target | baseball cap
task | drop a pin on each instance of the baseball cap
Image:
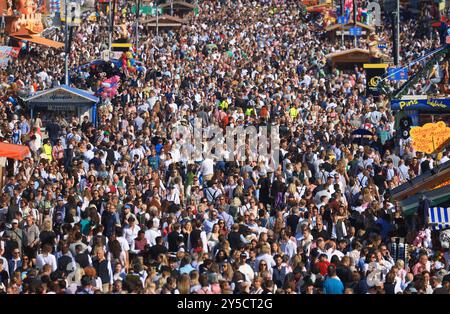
(14, 221)
(60, 198)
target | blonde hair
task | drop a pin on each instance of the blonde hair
(292, 188)
(47, 224)
(400, 264)
(265, 249)
(184, 284)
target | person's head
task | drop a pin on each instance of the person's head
(46, 248)
(86, 282)
(331, 271)
(100, 254)
(309, 288)
(423, 259)
(203, 280)
(16, 253)
(30, 220)
(15, 224)
(278, 259)
(320, 243)
(141, 235)
(117, 287)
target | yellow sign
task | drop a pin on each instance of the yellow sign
(374, 81)
(430, 137)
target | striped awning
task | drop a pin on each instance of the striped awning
(439, 217)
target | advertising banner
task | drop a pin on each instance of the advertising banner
(429, 104)
(374, 73)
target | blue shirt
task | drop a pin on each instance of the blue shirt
(333, 286)
(24, 127)
(186, 269)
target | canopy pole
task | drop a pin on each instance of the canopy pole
(66, 56)
(1, 178)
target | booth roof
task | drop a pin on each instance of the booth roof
(73, 90)
(177, 4)
(14, 151)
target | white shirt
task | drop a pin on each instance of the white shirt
(207, 167)
(332, 252)
(289, 248)
(248, 272)
(123, 244)
(131, 233)
(151, 235)
(50, 259)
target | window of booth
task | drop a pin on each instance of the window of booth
(432, 118)
(425, 118)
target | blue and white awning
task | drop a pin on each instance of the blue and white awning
(439, 217)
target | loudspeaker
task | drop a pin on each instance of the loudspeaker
(405, 126)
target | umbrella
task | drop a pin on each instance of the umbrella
(362, 132)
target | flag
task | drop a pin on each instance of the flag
(439, 217)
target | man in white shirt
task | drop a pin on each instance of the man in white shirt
(403, 171)
(46, 258)
(131, 231)
(444, 158)
(89, 153)
(288, 246)
(207, 169)
(153, 232)
(245, 268)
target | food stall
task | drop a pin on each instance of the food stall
(64, 100)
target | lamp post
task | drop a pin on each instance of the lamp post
(157, 18)
(396, 34)
(138, 8)
(111, 22)
(66, 45)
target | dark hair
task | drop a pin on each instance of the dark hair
(331, 270)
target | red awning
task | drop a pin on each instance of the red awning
(14, 151)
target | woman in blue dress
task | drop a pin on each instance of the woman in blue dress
(17, 134)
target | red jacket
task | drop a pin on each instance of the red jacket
(323, 267)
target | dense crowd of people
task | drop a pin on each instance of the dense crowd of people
(117, 207)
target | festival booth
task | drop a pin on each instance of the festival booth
(23, 22)
(335, 31)
(434, 185)
(64, 100)
(164, 21)
(350, 58)
(422, 109)
(318, 6)
(179, 8)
